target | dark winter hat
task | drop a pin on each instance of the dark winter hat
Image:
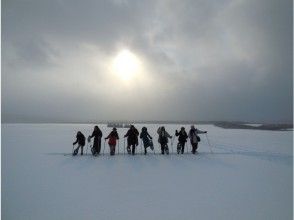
(114, 129)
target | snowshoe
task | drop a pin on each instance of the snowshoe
(89, 139)
(93, 151)
(151, 144)
(75, 152)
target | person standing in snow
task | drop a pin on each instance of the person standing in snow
(132, 140)
(147, 139)
(113, 136)
(194, 138)
(97, 135)
(182, 140)
(81, 143)
(163, 136)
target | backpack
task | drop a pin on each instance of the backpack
(198, 138)
(112, 140)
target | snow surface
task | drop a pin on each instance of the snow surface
(248, 176)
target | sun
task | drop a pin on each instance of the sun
(126, 65)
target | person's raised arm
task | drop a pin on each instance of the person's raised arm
(158, 130)
(200, 132)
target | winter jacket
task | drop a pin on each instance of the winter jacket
(145, 136)
(112, 138)
(97, 134)
(182, 136)
(163, 136)
(80, 139)
(132, 135)
(193, 135)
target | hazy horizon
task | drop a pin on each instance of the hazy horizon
(149, 60)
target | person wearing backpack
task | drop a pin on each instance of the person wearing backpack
(163, 136)
(147, 139)
(97, 135)
(182, 140)
(194, 138)
(132, 140)
(81, 143)
(113, 136)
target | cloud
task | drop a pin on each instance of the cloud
(203, 60)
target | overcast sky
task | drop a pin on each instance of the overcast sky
(199, 60)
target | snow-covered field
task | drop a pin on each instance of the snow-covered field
(248, 176)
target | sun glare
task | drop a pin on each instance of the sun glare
(126, 65)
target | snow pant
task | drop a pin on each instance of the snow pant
(163, 148)
(77, 149)
(133, 148)
(145, 148)
(97, 145)
(112, 149)
(182, 146)
(194, 147)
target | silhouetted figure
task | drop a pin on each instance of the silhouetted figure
(147, 139)
(97, 135)
(194, 138)
(132, 140)
(163, 139)
(182, 140)
(113, 136)
(81, 143)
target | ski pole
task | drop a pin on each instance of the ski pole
(87, 149)
(172, 148)
(117, 147)
(154, 150)
(73, 146)
(209, 143)
(104, 147)
(124, 146)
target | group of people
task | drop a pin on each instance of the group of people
(133, 136)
